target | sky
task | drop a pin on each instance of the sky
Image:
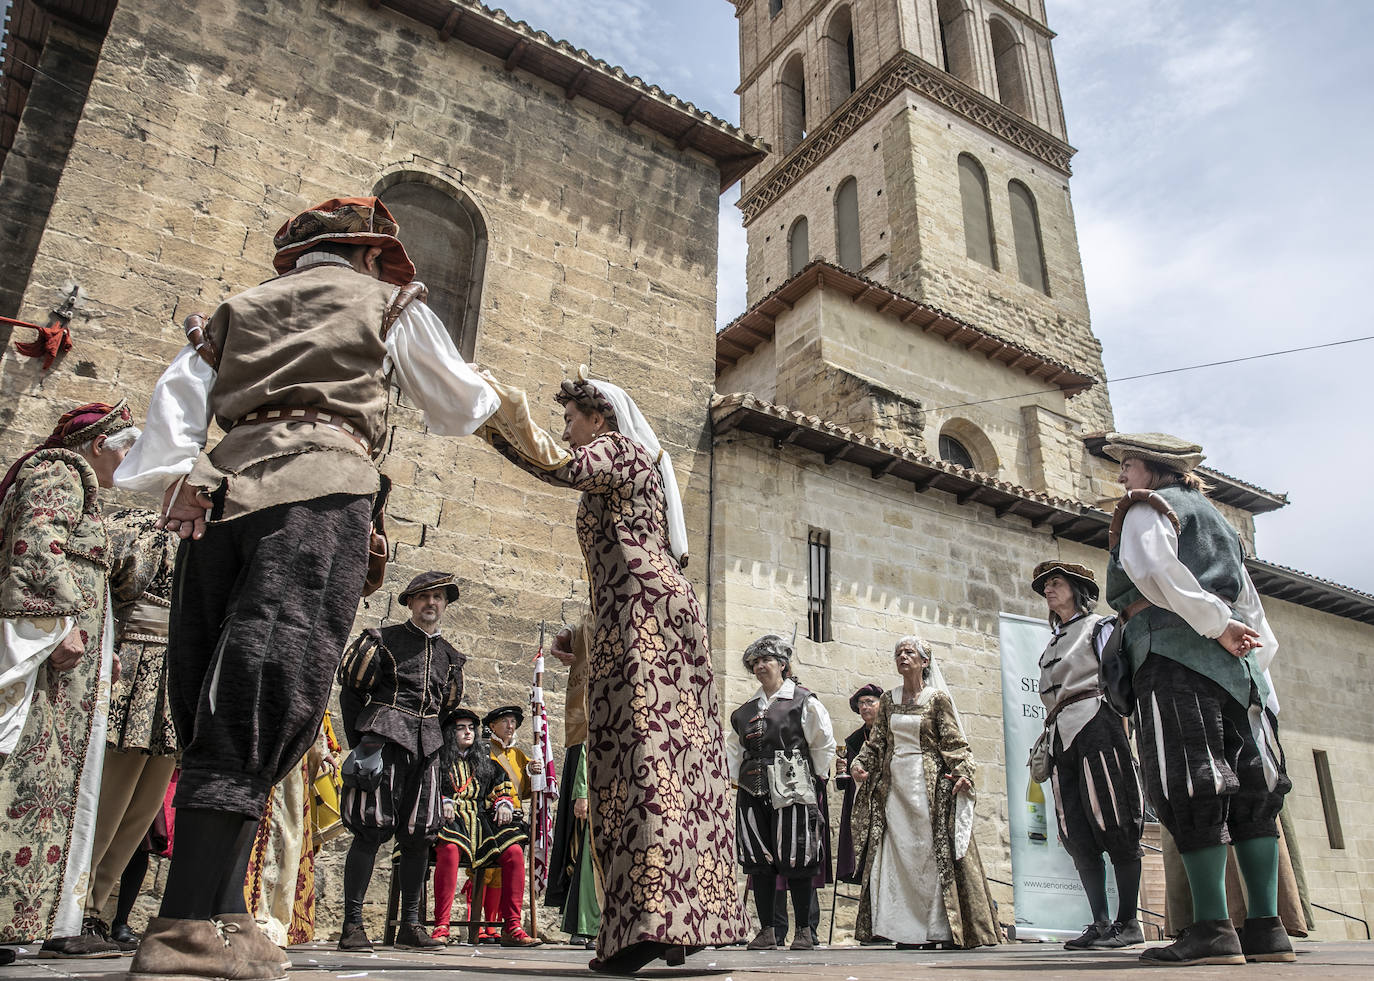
(1223, 202)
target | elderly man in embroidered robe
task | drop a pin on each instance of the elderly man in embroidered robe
(295, 371)
(56, 662)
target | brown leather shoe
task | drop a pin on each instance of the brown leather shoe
(412, 936)
(256, 945)
(765, 940)
(198, 950)
(517, 937)
(354, 938)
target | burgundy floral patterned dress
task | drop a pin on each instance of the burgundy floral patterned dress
(662, 816)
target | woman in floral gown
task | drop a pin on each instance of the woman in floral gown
(662, 817)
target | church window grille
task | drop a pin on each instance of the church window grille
(953, 451)
(818, 586)
(979, 243)
(1025, 232)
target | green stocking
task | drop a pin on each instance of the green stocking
(1258, 859)
(1206, 869)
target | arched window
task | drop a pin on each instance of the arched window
(1025, 232)
(847, 225)
(965, 445)
(953, 451)
(446, 238)
(798, 246)
(793, 92)
(774, 7)
(839, 57)
(1006, 59)
(973, 193)
(956, 39)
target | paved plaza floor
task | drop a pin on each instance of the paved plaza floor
(320, 962)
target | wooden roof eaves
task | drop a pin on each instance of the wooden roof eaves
(835, 444)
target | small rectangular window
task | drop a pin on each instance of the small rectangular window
(818, 586)
(1329, 809)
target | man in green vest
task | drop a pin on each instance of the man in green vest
(1199, 647)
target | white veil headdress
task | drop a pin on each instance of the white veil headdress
(631, 422)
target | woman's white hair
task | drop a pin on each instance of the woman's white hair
(922, 648)
(121, 440)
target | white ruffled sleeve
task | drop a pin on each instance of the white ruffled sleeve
(431, 372)
(176, 428)
(25, 643)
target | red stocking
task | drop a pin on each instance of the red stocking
(512, 886)
(445, 882)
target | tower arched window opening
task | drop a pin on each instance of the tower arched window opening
(956, 39)
(847, 247)
(1025, 231)
(798, 246)
(839, 55)
(793, 93)
(979, 243)
(1006, 59)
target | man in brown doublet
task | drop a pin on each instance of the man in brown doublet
(275, 523)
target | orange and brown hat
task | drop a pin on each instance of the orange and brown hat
(348, 221)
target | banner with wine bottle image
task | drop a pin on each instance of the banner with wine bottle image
(1050, 903)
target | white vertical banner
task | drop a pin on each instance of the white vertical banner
(1050, 903)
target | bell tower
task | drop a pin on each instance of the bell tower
(921, 144)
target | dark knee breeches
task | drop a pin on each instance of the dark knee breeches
(262, 607)
(1097, 794)
(1203, 757)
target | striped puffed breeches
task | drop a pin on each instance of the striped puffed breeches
(786, 842)
(1213, 768)
(1097, 793)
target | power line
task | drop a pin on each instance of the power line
(1165, 371)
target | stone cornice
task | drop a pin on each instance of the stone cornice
(905, 71)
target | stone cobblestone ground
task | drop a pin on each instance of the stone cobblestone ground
(320, 962)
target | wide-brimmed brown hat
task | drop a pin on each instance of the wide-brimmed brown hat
(1071, 571)
(430, 580)
(496, 713)
(1169, 451)
(348, 221)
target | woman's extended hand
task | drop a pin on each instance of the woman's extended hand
(562, 647)
(857, 772)
(962, 785)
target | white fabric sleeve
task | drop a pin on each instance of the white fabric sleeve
(25, 643)
(176, 428)
(1249, 610)
(734, 751)
(1149, 556)
(820, 736)
(432, 374)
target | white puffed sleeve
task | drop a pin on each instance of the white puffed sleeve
(176, 428)
(432, 374)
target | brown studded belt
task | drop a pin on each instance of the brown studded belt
(291, 413)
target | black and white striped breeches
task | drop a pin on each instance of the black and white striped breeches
(408, 804)
(1204, 757)
(1097, 797)
(786, 842)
